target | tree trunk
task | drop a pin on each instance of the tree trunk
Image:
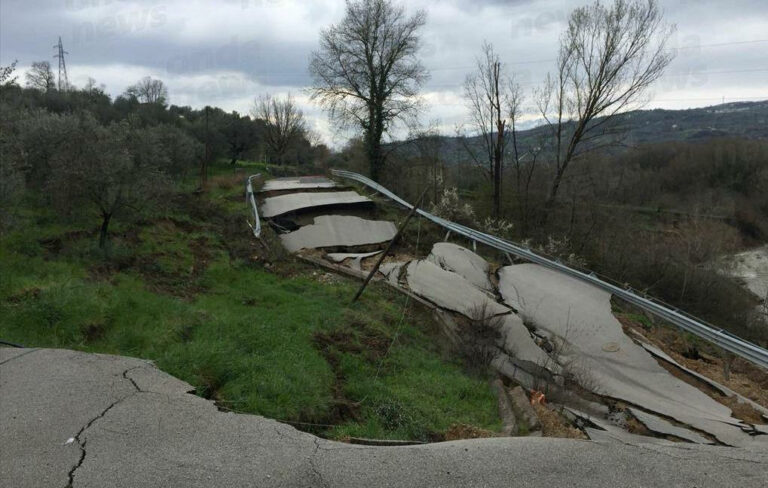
(103, 231)
(373, 143)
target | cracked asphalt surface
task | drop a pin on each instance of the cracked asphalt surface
(84, 420)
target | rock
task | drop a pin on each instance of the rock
(506, 412)
(523, 409)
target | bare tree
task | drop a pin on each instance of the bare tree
(493, 99)
(285, 123)
(366, 73)
(40, 77)
(428, 143)
(609, 56)
(149, 90)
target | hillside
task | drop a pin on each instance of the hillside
(739, 119)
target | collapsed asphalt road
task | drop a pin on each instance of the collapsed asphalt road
(83, 420)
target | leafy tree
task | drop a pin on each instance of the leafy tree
(366, 73)
(114, 169)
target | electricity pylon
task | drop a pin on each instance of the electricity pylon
(63, 80)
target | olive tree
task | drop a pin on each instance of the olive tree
(609, 56)
(366, 72)
(111, 169)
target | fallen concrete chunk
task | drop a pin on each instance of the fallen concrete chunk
(292, 202)
(661, 426)
(523, 408)
(463, 262)
(357, 258)
(450, 291)
(339, 230)
(300, 183)
(580, 315)
(392, 271)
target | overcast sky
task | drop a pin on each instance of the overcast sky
(227, 52)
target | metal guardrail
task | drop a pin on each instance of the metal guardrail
(251, 200)
(698, 327)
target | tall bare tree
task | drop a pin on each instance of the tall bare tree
(609, 56)
(366, 73)
(285, 123)
(149, 90)
(40, 76)
(493, 99)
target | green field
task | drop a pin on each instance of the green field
(189, 288)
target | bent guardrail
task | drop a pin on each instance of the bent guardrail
(698, 327)
(250, 200)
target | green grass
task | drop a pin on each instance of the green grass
(180, 287)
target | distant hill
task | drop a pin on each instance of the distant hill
(738, 119)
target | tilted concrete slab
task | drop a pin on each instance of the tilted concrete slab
(617, 367)
(356, 257)
(149, 433)
(292, 202)
(661, 426)
(462, 261)
(339, 230)
(714, 384)
(517, 342)
(450, 290)
(299, 183)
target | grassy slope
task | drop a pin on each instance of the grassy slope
(183, 288)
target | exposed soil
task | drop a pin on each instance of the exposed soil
(463, 431)
(553, 424)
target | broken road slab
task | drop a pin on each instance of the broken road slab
(339, 230)
(463, 262)
(450, 291)
(580, 314)
(298, 183)
(661, 426)
(292, 202)
(163, 437)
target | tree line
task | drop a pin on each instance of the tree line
(82, 149)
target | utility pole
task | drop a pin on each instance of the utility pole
(63, 86)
